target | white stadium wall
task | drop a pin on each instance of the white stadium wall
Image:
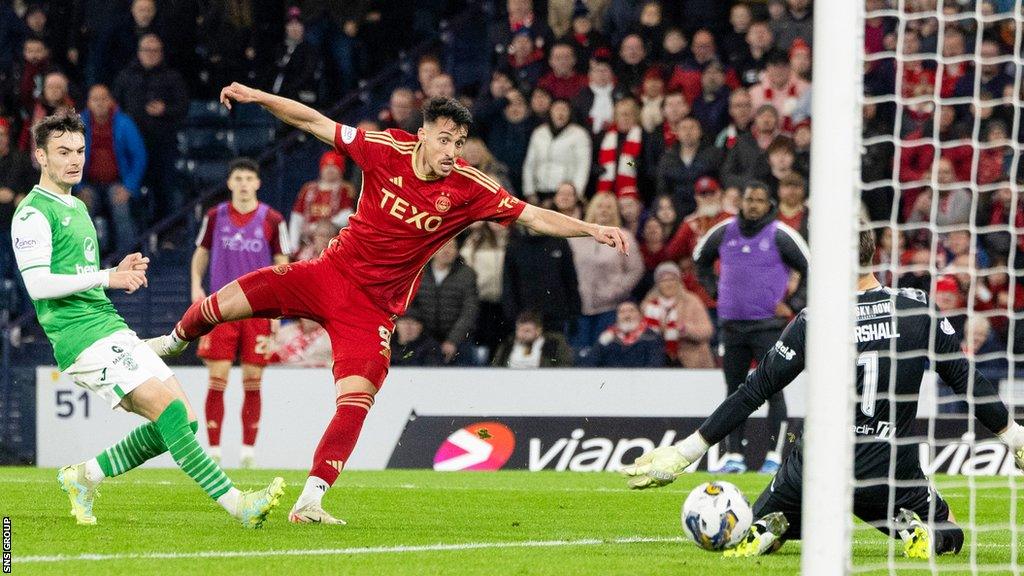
(449, 419)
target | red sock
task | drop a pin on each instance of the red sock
(340, 438)
(215, 409)
(252, 404)
(199, 319)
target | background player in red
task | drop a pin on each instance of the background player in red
(237, 237)
(417, 195)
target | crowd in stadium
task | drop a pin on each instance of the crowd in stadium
(653, 116)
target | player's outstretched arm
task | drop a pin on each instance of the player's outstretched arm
(776, 370)
(989, 409)
(288, 111)
(551, 223)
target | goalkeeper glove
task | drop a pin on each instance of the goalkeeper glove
(662, 466)
(1013, 437)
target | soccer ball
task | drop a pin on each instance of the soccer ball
(716, 515)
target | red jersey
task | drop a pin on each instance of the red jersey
(403, 217)
(274, 228)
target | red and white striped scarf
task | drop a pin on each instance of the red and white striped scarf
(617, 173)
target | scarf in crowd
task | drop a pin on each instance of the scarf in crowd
(618, 165)
(662, 316)
(627, 338)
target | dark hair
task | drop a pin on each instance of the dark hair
(243, 163)
(757, 185)
(447, 108)
(781, 144)
(61, 121)
(530, 317)
(867, 248)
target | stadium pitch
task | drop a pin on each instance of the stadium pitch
(424, 522)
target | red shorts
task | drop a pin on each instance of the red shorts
(359, 329)
(226, 340)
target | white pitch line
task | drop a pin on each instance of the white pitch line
(347, 551)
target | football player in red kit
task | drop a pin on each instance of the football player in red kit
(417, 195)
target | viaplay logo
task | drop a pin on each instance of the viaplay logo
(479, 446)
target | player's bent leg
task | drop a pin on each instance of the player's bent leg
(158, 403)
(355, 397)
(778, 510)
(235, 301)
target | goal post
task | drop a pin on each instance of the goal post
(835, 166)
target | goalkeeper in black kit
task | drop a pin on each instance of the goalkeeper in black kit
(883, 315)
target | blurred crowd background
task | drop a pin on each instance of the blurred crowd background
(648, 115)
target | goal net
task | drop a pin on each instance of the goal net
(939, 97)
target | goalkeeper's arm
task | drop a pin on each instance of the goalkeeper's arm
(989, 409)
(777, 369)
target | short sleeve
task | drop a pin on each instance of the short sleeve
(500, 206)
(352, 142)
(31, 239)
(205, 237)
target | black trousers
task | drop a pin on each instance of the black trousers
(743, 344)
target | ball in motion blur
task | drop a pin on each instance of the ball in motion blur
(716, 515)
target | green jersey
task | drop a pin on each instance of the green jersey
(53, 232)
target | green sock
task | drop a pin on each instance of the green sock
(188, 454)
(140, 445)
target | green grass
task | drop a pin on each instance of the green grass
(160, 512)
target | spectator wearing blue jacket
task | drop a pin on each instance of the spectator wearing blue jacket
(115, 162)
(629, 343)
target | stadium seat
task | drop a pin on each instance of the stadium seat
(249, 115)
(206, 172)
(207, 114)
(207, 143)
(252, 141)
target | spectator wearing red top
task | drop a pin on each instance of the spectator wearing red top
(780, 87)
(680, 247)
(115, 162)
(953, 48)
(687, 77)
(34, 66)
(54, 95)
(652, 99)
(563, 82)
(792, 207)
(709, 212)
(330, 197)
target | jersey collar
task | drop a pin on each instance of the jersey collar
(68, 201)
(415, 155)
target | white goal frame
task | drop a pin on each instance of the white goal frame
(835, 174)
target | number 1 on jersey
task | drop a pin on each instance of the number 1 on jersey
(869, 383)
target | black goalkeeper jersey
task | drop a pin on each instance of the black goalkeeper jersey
(893, 327)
